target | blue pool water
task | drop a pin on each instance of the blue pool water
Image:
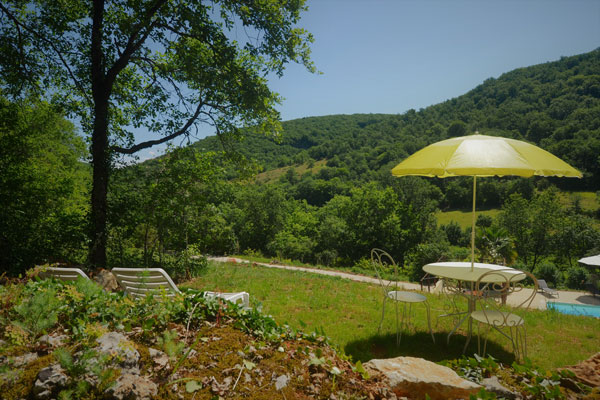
(575, 309)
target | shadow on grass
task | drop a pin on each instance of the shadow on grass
(419, 344)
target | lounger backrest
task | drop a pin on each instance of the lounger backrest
(65, 274)
(139, 282)
(544, 286)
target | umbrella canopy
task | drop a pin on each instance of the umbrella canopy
(593, 261)
(481, 155)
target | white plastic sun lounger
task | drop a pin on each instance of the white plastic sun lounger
(65, 274)
(139, 282)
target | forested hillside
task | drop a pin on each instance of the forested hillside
(554, 105)
(329, 196)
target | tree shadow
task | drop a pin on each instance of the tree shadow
(420, 344)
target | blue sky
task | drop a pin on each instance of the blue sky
(388, 56)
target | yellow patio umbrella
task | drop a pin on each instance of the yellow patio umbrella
(481, 155)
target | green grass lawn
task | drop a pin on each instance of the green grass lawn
(349, 313)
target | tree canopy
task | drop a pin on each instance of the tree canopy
(157, 65)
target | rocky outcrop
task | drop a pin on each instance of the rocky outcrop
(588, 371)
(132, 386)
(49, 381)
(415, 378)
(106, 280)
(119, 348)
(492, 384)
(53, 341)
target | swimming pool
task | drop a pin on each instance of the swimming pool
(574, 309)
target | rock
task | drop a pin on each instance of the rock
(49, 380)
(23, 360)
(106, 280)
(119, 348)
(132, 386)
(492, 384)
(281, 382)
(588, 371)
(53, 341)
(415, 378)
(159, 358)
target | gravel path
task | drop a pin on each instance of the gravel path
(539, 301)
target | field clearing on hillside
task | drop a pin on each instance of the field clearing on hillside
(588, 200)
(275, 174)
(463, 218)
(349, 313)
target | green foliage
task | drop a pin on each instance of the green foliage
(548, 272)
(541, 384)
(39, 311)
(576, 277)
(44, 184)
(474, 368)
(116, 67)
(170, 345)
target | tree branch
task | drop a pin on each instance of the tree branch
(150, 143)
(133, 43)
(18, 24)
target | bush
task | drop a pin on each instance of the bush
(456, 236)
(576, 278)
(184, 265)
(548, 272)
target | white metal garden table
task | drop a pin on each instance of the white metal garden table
(460, 271)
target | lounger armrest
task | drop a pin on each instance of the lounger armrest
(232, 297)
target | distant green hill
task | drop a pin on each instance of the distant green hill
(555, 105)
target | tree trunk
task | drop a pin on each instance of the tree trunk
(101, 165)
(99, 148)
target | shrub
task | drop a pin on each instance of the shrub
(548, 272)
(456, 236)
(576, 278)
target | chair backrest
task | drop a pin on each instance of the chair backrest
(382, 261)
(542, 284)
(140, 282)
(499, 284)
(65, 274)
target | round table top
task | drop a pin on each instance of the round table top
(461, 270)
(406, 297)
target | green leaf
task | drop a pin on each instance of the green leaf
(317, 361)
(192, 386)
(249, 365)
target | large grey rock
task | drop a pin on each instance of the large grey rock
(415, 378)
(120, 349)
(23, 360)
(53, 341)
(49, 380)
(492, 384)
(132, 387)
(159, 358)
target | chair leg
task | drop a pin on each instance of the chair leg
(398, 332)
(382, 314)
(429, 320)
(520, 345)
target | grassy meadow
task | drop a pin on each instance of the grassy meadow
(349, 313)
(463, 218)
(588, 201)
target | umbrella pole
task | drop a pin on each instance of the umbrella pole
(473, 224)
